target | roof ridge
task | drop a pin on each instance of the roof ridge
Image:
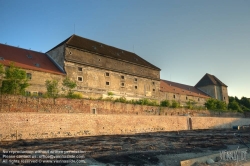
(21, 48)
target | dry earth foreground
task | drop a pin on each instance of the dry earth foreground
(159, 149)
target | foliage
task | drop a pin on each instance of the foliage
(214, 104)
(75, 96)
(165, 103)
(175, 104)
(1, 70)
(240, 105)
(191, 104)
(52, 88)
(121, 99)
(15, 81)
(111, 94)
(69, 84)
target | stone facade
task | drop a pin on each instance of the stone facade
(97, 74)
(213, 87)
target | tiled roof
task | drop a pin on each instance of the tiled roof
(27, 59)
(177, 88)
(106, 50)
(209, 79)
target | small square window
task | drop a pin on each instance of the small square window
(27, 93)
(107, 74)
(107, 83)
(122, 77)
(79, 68)
(135, 79)
(174, 96)
(154, 90)
(186, 97)
(135, 87)
(79, 78)
(153, 82)
(198, 99)
(122, 84)
(29, 76)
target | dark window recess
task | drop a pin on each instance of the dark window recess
(40, 93)
(122, 84)
(27, 93)
(122, 77)
(29, 76)
(79, 68)
(107, 83)
(107, 74)
(135, 87)
(174, 96)
(186, 98)
(1, 58)
(79, 78)
(153, 83)
(29, 56)
(37, 64)
(198, 99)
(135, 79)
(153, 89)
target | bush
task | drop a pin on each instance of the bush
(165, 103)
(175, 104)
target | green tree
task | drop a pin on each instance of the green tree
(175, 104)
(214, 104)
(69, 84)
(15, 81)
(52, 88)
(190, 104)
(165, 103)
(234, 105)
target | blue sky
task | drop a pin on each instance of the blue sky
(185, 38)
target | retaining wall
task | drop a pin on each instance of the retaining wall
(16, 126)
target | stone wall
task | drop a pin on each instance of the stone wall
(16, 126)
(11, 103)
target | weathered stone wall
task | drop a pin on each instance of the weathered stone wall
(16, 126)
(37, 81)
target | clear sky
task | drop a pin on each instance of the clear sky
(185, 38)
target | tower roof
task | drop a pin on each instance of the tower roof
(209, 79)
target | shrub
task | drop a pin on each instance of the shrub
(165, 103)
(175, 104)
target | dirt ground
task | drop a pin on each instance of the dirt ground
(159, 149)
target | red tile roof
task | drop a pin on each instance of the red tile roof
(27, 59)
(209, 79)
(105, 50)
(177, 88)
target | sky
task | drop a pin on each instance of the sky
(184, 38)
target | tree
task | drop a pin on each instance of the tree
(214, 104)
(233, 105)
(52, 88)
(15, 81)
(70, 85)
(165, 103)
(175, 104)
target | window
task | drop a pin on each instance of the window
(29, 56)
(135, 79)
(198, 99)
(79, 78)
(37, 64)
(135, 87)
(174, 96)
(186, 97)
(1, 58)
(29, 76)
(107, 74)
(122, 77)
(107, 83)
(153, 82)
(40, 93)
(154, 90)
(79, 68)
(27, 93)
(35, 93)
(122, 84)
